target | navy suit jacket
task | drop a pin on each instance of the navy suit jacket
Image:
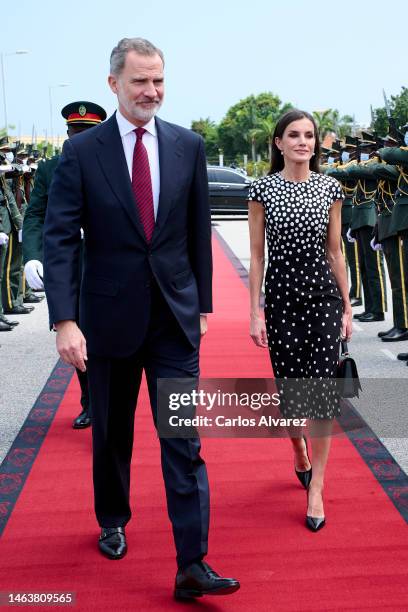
(91, 189)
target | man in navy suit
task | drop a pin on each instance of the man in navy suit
(138, 187)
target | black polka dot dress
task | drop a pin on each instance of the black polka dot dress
(303, 306)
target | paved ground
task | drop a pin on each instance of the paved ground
(27, 356)
(384, 403)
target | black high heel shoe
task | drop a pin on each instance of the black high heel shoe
(314, 523)
(305, 477)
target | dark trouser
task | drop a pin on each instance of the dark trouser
(372, 272)
(350, 252)
(114, 387)
(393, 251)
(83, 382)
(3, 254)
(11, 284)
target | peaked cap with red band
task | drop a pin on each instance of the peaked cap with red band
(83, 113)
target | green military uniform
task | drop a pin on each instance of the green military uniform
(387, 178)
(11, 222)
(350, 250)
(398, 225)
(35, 214)
(14, 276)
(363, 220)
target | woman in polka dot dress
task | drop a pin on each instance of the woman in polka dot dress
(307, 305)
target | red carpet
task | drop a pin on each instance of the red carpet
(358, 562)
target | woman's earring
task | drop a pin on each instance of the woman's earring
(281, 152)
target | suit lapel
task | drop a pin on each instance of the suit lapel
(112, 159)
(171, 154)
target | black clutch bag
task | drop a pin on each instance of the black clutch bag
(347, 376)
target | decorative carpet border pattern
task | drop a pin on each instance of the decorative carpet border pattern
(19, 460)
(379, 460)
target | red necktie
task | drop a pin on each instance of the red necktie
(142, 184)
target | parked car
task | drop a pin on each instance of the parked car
(228, 190)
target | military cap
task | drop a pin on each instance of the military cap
(83, 113)
(336, 146)
(350, 142)
(6, 144)
(325, 150)
(367, 138)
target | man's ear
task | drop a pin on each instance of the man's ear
(112, 81)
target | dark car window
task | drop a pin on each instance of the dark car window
(211, 175)
(226, 176)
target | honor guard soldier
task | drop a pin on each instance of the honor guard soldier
(15, 278)
(10, 218)
(363, 220)
(79, 116)
(387, 179)
(398, 156)
(347, 157)
(12, 272)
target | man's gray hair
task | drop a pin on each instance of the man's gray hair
(140, 45)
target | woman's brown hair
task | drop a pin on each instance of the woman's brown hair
(277, 162)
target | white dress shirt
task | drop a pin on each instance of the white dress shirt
(150, 141)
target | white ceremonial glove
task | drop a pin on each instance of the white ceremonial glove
(376, 246)
(349, 236)
(3, 238)
(34, 274)
(20, 235)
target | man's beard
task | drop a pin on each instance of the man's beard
(144, 114)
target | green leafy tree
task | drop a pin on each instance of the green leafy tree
(399, 111)
(344, 126)
(266, 128)
(209, 131)
(235, 135)
(330, 120)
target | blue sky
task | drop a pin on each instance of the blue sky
(314, 54)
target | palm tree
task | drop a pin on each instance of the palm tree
(325, 121)
(265, 130)
(251, 136)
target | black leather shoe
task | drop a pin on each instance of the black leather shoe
(356, 302)
(200, 579)
(8, 322)
(305, 476)
(112, 542)
(314, 523)
(19, 310)
(82, 421)
(5, 327)
(370, 317)
(357, 317)
(385, 333)
(402, 356)
(33, 299)
(396, 335)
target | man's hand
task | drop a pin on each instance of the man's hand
(34, 274)
(3, 238)
(203, 325)
(71, 344)
(258, 331)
